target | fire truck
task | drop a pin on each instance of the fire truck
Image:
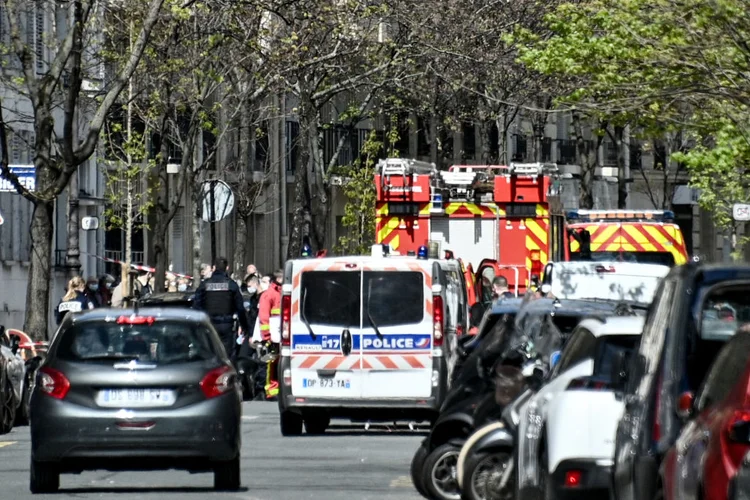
(499, 220)
(646, 236)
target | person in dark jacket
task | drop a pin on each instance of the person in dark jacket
(220, 297)
(74, 300)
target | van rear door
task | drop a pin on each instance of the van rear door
(397, 321)
(325, 333)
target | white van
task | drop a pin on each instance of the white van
(367, 338)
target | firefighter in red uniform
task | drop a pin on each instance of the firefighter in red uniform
(269, 317)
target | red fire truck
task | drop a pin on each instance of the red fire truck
(500, 220)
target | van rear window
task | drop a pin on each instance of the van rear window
(330, 298)
(393, 297)
(386, 298)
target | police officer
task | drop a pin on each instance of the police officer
(220, 297)
(74, 300)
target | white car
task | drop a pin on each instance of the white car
(567, 431)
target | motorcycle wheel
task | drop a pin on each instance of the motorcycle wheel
(482, 476)
(417, 465)
(439, 473)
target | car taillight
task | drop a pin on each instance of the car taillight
(286, 320)
(737, 438)
(585, 383)
(573, 478)
(53, 383)
(437, 320)
(217, 382)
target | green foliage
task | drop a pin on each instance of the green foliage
(359, 211)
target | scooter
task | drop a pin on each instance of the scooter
(469, 405)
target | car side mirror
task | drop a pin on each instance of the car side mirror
(15, 343)
(685, 405)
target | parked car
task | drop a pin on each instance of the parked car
(696, 309)
(121, 390)
(711, 448)
(11, 380)
(32, 354)
(566, 439)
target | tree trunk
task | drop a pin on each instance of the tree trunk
(197, 238)
(485, 146)
(434, 139)
(588, 167)
(240, 240)
(622, 186)
(73, 254)
(38, 288)
(301, 186)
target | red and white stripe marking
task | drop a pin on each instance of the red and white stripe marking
(369, 362)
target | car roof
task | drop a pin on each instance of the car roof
(568, 306)
(104, 314)
(614, 325)
(506, 306)
(369, 258)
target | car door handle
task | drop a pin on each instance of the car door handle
(346, 342)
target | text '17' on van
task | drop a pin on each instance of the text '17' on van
(367, 338)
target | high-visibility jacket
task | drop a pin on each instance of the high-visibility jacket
(269, 313)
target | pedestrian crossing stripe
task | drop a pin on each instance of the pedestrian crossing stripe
(3, 444)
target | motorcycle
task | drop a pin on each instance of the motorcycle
(469, 404)
(485, 464)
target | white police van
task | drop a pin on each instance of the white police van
(367, 338)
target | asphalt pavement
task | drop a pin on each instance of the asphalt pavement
(346, 463)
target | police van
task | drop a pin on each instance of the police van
(367, 338)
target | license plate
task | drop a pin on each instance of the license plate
(326, 383)
(135, 398)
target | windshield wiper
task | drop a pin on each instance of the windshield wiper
(304, 319)
(369, 315)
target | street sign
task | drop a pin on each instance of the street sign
(218, 200)
(741, 212)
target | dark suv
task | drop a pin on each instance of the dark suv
(696, 309)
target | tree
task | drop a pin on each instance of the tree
(66, 118)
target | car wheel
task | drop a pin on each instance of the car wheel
(483, 474)
(7, 408)
(43, 477)
(439, 473)
(227, 475)
(317, 424)
(291, 424)
(417, 466)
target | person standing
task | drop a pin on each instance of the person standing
(269, 317)
(221, 299)
(74, 300)
(500, 288)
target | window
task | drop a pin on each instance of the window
(724, 310)
(580, 347)
(608, 350)
(331, 298)
(662, 258)
(393, 298)
(163, 342)
(724, 374)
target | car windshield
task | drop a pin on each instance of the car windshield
(663, 258)
(162, 342)
(609, 348)
(386, 298)
(724, 310)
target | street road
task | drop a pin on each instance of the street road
(346, 463)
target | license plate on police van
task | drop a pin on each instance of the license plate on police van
(326, 383)
(135, 398)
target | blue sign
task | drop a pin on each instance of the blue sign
(26, 176)
(369, 342)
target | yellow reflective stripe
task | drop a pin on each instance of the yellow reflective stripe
(263, 328)
(275, 311)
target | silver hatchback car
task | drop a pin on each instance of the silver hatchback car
(121, 390)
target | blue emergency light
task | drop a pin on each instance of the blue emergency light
(422, 253)
(620, 215)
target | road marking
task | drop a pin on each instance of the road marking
(3, 444)
(249, 417)
(402, 482)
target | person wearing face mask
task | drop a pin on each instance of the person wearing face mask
(182, 285)
(102, 293)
